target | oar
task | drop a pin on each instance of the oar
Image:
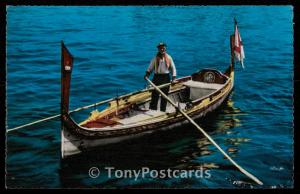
(206, 135)
(82, 108)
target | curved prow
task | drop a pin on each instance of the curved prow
(66, 70)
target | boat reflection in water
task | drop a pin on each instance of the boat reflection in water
(180, 148)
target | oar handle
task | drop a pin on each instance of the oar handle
(207, 136)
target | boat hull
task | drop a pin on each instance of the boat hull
(73, 143)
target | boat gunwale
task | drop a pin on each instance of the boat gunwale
(145, 125)
(89, 134)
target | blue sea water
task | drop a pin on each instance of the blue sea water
(112, 47)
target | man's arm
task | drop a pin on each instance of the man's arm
(150, 69)
(173, 67)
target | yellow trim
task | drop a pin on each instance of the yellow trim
(145, 96)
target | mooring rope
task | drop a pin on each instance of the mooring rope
(207, 136)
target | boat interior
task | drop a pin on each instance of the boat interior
(136, 109)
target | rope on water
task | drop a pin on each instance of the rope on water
(56, 116)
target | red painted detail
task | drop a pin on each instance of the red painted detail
(99, 123)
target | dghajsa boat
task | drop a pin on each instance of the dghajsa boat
(128, 116)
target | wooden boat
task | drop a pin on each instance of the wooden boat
(128, 116)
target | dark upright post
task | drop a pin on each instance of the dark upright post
(66, 70)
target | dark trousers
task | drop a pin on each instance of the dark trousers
(160, 79)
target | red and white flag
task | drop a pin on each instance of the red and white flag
(238, 46)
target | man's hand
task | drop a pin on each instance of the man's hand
(146, 75)
(173, 80)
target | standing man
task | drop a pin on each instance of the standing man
(162, 64)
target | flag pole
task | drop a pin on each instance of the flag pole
(232, 43)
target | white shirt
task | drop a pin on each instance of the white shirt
(162, 67)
